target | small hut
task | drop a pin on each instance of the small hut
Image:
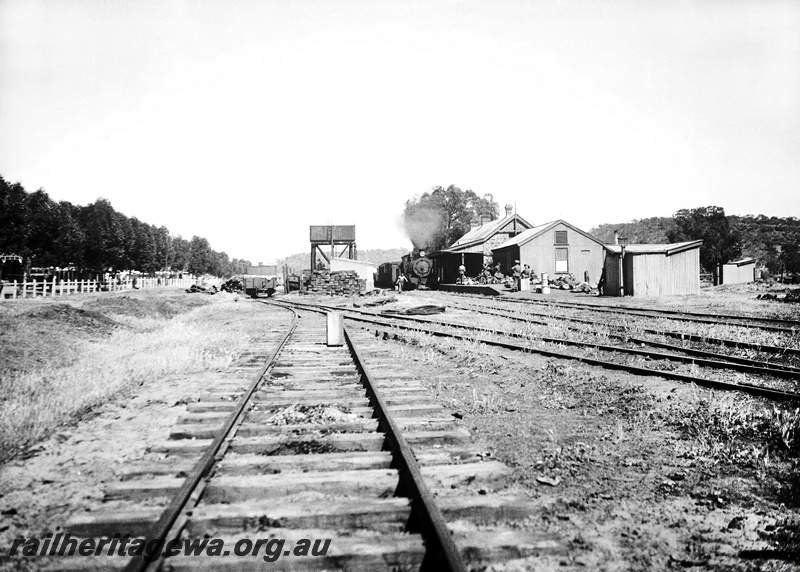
(653, 269)
(739, 272)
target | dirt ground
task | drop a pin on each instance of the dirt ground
(42, 485)
(633, 473)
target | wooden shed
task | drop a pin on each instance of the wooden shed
(739, 272)
(366, 270)
(654, 269)
(555, 248)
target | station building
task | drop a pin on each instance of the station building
(475, 247)
(555, 248)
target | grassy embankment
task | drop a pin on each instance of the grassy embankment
(61, 357)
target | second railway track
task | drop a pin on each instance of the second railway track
(337, 461)
(495, 338)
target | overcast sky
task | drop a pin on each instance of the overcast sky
(247, 121)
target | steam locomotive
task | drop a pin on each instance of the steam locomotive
(417, 267)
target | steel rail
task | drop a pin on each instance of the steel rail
(642, 341)
(725, 385)
(742, 364)
(717, 364)
(385, 321)
(691, 337)
(687, 316)
(169, 516)
(793, 324)
(441, 552)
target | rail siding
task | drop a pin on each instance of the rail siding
(33, 288)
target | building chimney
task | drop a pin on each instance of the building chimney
(475, 223)
(616, 237)
(509, 210)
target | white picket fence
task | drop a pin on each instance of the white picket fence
(30, 289)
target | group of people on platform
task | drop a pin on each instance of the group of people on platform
(493, 274)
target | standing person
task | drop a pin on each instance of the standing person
(401, 279)
(516, 270)
(462, 272)
(601, 286)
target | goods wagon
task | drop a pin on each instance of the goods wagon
(255, 285)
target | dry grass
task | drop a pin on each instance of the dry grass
(40, 394)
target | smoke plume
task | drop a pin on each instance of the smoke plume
(422, 227)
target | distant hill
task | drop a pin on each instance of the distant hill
(376, 256)
(762, 237)
(642, 231)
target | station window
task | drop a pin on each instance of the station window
(561, 237)
(562, 260)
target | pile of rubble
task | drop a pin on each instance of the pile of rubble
(232, 285)
(296, 414)
(427, 310)
(340, 283)
(785, 295)
(569, 282)
(562, 282)
(196, 288)
(378, 301)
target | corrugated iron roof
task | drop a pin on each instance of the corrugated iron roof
(483, 233)
(532, 233)
(742, 262)
(667, 249)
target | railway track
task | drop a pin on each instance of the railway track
(782, 325)
(777, 351)
(314, 457)
(752, 365)
(493, 337)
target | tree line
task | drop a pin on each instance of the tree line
(302, 260)
(771, 241)
(97, 239)
(436, 219)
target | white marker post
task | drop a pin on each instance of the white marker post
(335, 329)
